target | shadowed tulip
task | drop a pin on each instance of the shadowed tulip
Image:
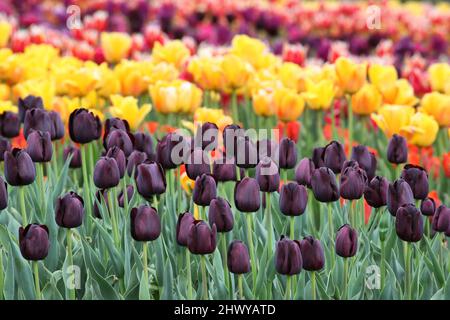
(197, 164)
(428, 207)
(408, 223)
(397, 151)
(34, 242)
(365, 159)
(3, 194)
(376, 192)
(441, 219)
(353, 181)
(221, 215)
(121, 139)
(207, 136)
(293, 199)
(346, 241)
(5, 145)
(225, 170)
(117, 154)
(101, 196)
(143, 142)
(201, 238)
(334, 156)
(19, 168)
(28, 103)
(36, 119)
(287, 154)
(75, 162)
(150, 179)
(204, 190)
(69, 210)
(288, 258)
(57, 126)
(312, 254)
(84, 126)
(417, 178)
(145, 224)
(106, 173)
(39, 146)
(166, 149)
(324, 186)
(399, 193)
(246, 154)
(246, 195)
(121, 197)
(304, 172)
(267, 175)
(9, 124)
(238, 259)
(317, 157)
(184, 223)
(135, 159)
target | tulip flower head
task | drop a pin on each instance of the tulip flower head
(238, 259)
(408, 223)
(346, 241)
(34, 242)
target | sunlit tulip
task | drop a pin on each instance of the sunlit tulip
(366, 100)
(127, 108)
(439, 75)
(392, 118)
(263, 102)
(175, 96)
(381, 75)
(5, 33)
(236, 72)
(115, 45)
(400, 92)
(437, 105)
(173, 52)
(293, 76)
(289, 104)
(207, 72)
(422, 130)
(319, 95)
(350, 76)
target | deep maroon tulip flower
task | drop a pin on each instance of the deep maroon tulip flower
(207, 136)
(246, 153)
(121, 197)
(3, 194)
(205, 190)
(324, 186)
(202, 238)
(417, 178)
(293, 199)
(69, 210)
(84, 126)
(346, 241)
(117, 154)
(288, 258)
(312, 254)
(397, 151)
(39, 146)
(143, 142)
(287, 154)
(184, 223)
(376, 192)
(267, 148)
(150, 179)
(34, 242)
(317, 157)
(106, 173)
(267, 175)
(28, 103)
(408, 223)
(121, 139)
(334, 156)
(246, 195)
(225, 170)
(9, 124)
(198, 164)
(135, 159)
(37, 119)
(353, 180)
(220, 214)
(238, 259)
(145, 223)
(441, 219)
(19, 168)
(5, 145)
(166, 149)
(399, 193)
(75, 162)
(57, 126)
(115, 124)
(428, 207)
(304, 172)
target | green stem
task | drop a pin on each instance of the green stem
(330, 221)
(189, 274)
(285, 176)
(125, 197)
(86, 186)
(345, 293)
(115, 227)
(407, 251)
(241, 288)
(22, 206)
(269, 225)
(383, 264)
(40, 184)
(204, 279)
(37, 286)
(224, 259)
(70, 259)
(145, 260)
(2, 279)
(288, 289)
(313, 284)
(252, 249)
(292, 227)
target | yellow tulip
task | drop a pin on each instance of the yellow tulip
(127, 108)
(186, 183)
(293, 76)
(115, 45)
(319, 95)
(44, 88)
(131, 78)
(289, 104)
(207, 72)
(366, 100)
(216, 116)
(173, 52)
(81, 80)
(437, 105)
(350, 76)
(247, 48)
(108, 82)
(439, 74)
(5, 33)
(422, 130)
(391, 118)
(5, 92)
(236, 72)
(263, 102)
(400, 92)
(381, 75)
(175, 96)
(7, 106)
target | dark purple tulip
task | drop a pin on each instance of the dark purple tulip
(5, 145)
(334, 156)
(220, 214)
(121, 139)
(207, 136)
(57, 126)
(145, 223)
(365, 159)
(30, 102)
(164, 150)
(408, 223)
(202, 238)
(75, 162)
(204, 190)
(3, 194)
(117, 154)
(34, 242)
(238, 259)
(346, 241)
(135, 159)
(37, 119)
(106, 173)
(417, 178)
(267, 175)
(115, 124)
(293, 199)
(287, 154)
(230, 136)
(441, 219)
(317, 157)
(288, 258)
(353, 180)
(304, 172)
(184, 223)
(150, 179)
(121, 197)
(246, 195)
(246, 154)
(19, 168)
(324, 186)
(69, 211)
(376, 192)
(39, 146)
(267, 148)
(143, 142)
(397, 151)
(197, 164)
(312, 254)
(102, 197)
(399, 193)
(428, 207)
(84, 126)
(225, 170)
(9, 124)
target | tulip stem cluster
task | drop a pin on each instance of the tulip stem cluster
(22, 205)
(37, 286)
(204, 278)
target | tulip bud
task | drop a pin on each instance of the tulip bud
(365, 159)
(238, 259)
(121, 139)
(69, 211)
(184, 223)
(267, 148)
(230, 134)
(220, 215)
(334, 156)
(38, 120)
(201, 239)
(28, 103)
(304, 172)
(324, 186)
(117, 154)
(408, 223)
(225, 170)
(145, 223)
(100, 196)
(150, 179)
(197, 164)
(39, 146)
(246, 153)
(417, 178)
(312, 254)
(317, 157)
(376, 192)
(84, 126)
(267, 175)
(5, 145)
(9, 124)
(143, 142)
(121, 197)
(428, 207)
(287, 153)
(207, 136)
(135, 159)
(353, 180)
(399, 193)
(115, 124)
(166, 147)
(19, 168)
(441, 219)
(75, 162)
(3, 194)
(246, 195)
(346, 241)
(288, 258)
(397, 151)
(106, 173)
(293, 199)
(204, 190)
(34, 242)
(57, 126)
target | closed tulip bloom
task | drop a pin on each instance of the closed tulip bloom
(417, 178)
(225, 170)
(102, 197)
(135, 159)
(5, 145)
(230, 136)
(238, 259)
(145, 223)
(365, 159)
(441, 219)
(207, 136)
(164, 150)
(36, 119)
(221, 215)
(9, 124)
(288, 258)
(324, 186)
(184, 223)
(143, 142)
(399, 193)
(84, 126)
(312, 254)
(106, 173)
(34, 242)
(408, 223)
(202, 238)
(75, 162)
(428, 207)
(3, 194)
(267, 148)
(69, 210)
(39, 146)
(19, 168)
(353, 181)
(287, 153)
(376, 192)
(317, 157)
(115, 45)
(293, 199)
(422, 130)
(346, 241)
(197, 164)
(367, 100)
(150, 179)
(112, 124)
(204, 190)
(120, 139)
(334, 156)
(350, 76)
(392, 118)
(304, 172)
(246, 153)
(117, 154)
(267, 175)
(121, 197)
(57, 126)
(28, 103)
(246, 195)
(397, 151)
